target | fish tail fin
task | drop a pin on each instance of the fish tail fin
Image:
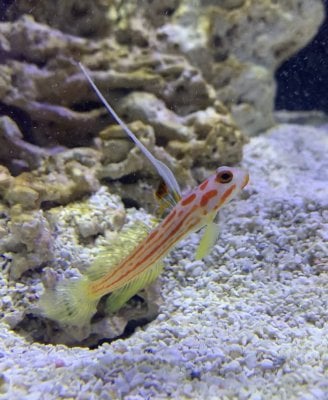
(70, 302)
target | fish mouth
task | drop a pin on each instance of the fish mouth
(245, 181)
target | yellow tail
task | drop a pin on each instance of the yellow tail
(73, 303)
(70, 302)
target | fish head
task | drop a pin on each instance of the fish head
(221, 187)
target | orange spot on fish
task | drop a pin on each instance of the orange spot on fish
(203, 185)
(207, 197)
(161, 247)
(188, 199)
(225, 195)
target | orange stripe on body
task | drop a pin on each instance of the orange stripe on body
(140, 247)
(165, 245)
(169, 218)
(173, 240)
(178, 238)
(152, 234)
(145, 243)
(149, 238)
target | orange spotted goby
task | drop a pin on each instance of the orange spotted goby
(135, 258)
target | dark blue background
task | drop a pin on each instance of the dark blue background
(303, 79)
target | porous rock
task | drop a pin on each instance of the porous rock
(238, 45)
(162, 90)
(15, 152)
(27, 242)
(80, 18)
(59, 180)
(26, 234)
(64, 241)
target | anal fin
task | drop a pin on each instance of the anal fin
(120, 296)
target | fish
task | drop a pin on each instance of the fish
(135, 258)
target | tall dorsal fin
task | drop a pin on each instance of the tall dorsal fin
(163, 170)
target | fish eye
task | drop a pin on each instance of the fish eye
(224, 176)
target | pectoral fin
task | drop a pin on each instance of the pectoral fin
(208, 240)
